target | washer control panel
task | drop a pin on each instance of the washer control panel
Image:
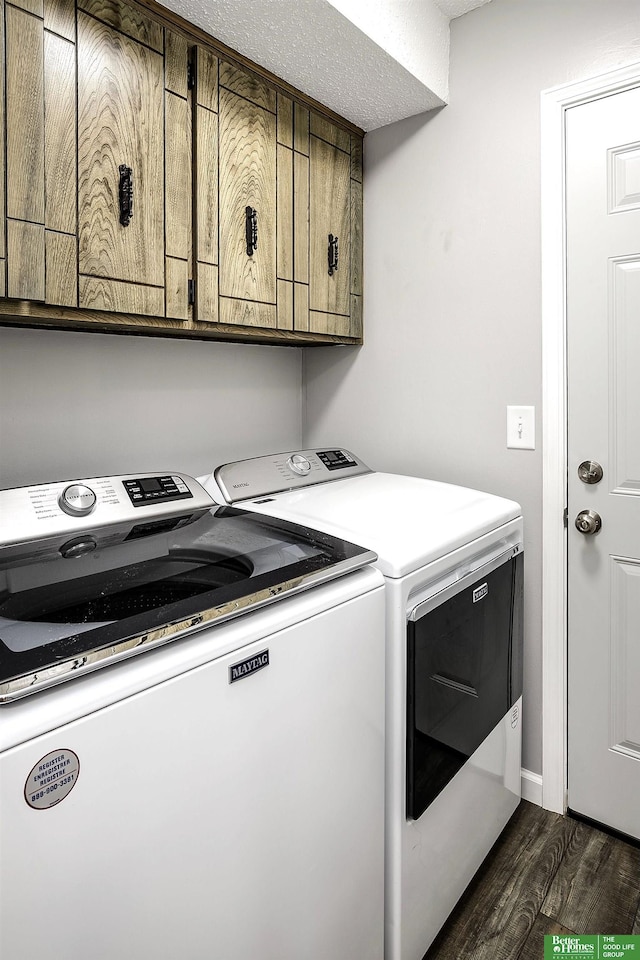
(69, 507)
(143, 490)
(264, 476)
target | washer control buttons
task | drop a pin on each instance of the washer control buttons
(153, 489)
(299, 464)
(336, 459)
(77, 500)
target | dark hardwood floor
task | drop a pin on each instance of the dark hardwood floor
(546, 874)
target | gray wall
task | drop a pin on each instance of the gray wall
(452, 273)
(88, 404)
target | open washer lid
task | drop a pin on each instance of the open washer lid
(407, 521)
(122, 574)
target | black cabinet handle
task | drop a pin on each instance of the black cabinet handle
(251, 230)
(332, 254)
(125, 193)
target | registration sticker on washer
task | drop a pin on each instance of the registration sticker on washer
(242, 669)
(480, 592)
(52, 779)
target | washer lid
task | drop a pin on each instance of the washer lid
(407, 521)
(70, 606)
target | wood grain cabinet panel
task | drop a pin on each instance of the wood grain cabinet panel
(25, 115)
(60, 157)
(61, 270)
(120, 122)
(247, 85)
(178, 179)
(126, 19)
(176, 57)
(41, 154)
(60, 18)
(60, 133)
(205, 112)
(31, 6)
(329, 215)
(285, 213)
(97, 293)
(247, 179)
(25, 260)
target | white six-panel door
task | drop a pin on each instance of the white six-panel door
(603, 349)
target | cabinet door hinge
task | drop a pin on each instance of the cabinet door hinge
(191, 292)
(565, 517)
(191, 70)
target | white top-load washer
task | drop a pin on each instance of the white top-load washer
(191, 729)
(452, 559)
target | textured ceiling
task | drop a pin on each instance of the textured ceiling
(312, 46)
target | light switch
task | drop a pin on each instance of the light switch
(521, 428)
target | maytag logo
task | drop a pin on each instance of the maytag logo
(243, 484)
(480, 592)
(238, 671)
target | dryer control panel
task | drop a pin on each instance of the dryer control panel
(264, 476)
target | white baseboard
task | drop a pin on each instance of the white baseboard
(531, 784)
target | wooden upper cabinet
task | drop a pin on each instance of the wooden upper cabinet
(120, 147)
(144, 173)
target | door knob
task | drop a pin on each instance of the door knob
(588, 522)
(590, 472)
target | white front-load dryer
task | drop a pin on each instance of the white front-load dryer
(452, 559)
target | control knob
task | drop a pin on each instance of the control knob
(77, 500)
(78, 547)
(299, 464)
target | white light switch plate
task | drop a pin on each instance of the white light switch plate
(521, 428)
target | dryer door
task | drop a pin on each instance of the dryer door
(464, 671)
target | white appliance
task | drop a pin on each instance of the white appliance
(216, 797)
(452, 561)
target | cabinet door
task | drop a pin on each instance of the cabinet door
(41, 249)
(330, 217)
(120, 125)
(328, 223)
(247, 118)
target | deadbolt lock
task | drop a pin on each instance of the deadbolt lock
(588, 522)
(590, 472)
